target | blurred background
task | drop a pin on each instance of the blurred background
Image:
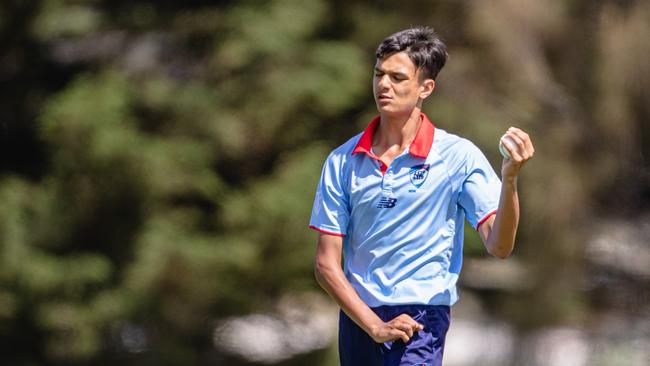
(160, 158)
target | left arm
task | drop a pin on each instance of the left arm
(498, 232)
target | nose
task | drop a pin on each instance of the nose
(383, 82)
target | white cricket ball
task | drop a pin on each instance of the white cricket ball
(502, 149)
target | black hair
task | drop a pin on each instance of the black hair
(421, 44)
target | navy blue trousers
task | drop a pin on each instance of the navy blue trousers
(426, 347)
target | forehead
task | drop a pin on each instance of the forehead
(396, 62)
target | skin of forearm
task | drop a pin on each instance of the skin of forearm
(501, 240)
(331, 278)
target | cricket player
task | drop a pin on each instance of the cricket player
(393, 200)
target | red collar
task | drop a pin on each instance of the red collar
(419, 147)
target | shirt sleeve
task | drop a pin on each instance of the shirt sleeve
(331, 211)
(480, 189)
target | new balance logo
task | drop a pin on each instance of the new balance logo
(386, 202)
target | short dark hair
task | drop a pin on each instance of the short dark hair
(421, 44)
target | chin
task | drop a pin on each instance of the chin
(392, 112)
(386, 108)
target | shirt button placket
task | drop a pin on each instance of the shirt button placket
(388, 180)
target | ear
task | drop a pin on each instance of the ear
(426, 88)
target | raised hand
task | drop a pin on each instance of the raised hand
(520, 148)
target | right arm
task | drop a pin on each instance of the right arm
(330, 277)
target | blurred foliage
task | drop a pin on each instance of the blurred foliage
(159, 158)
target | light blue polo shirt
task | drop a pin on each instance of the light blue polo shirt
(403, 224)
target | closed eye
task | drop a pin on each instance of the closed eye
(397, 76)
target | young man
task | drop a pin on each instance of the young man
(393, 200)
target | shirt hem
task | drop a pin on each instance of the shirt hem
(481, 221)
(326, 231)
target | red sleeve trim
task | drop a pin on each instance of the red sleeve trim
(325, 231)
(485, 218)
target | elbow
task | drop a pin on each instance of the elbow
(321, 271)
(318, 275)
(327, 272)
(501, 255)
(500, 252)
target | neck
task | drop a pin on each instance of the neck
(397, 130)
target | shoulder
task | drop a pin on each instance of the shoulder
(342, 153)
(337, 165)
(449, 145)
(459, 154)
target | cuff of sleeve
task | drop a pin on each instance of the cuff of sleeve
(325, 231)
(481, 221)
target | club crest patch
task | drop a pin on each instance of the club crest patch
(419, 174)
